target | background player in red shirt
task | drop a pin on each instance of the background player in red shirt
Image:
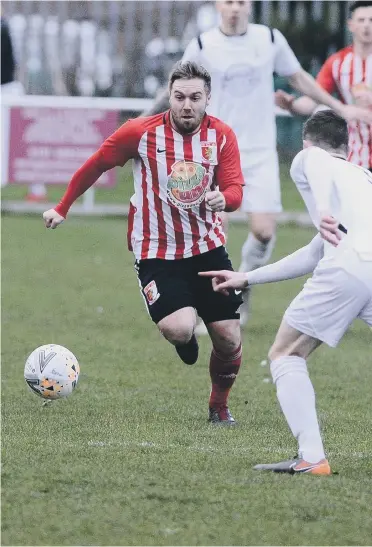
(186, 169)
(349, 73)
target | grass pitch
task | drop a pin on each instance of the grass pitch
(129, 458)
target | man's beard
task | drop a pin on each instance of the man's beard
(185, 126)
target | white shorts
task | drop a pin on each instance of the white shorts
(329, 302)
(262, 184)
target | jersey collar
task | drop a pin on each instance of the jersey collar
(232, 35)
(339, 156)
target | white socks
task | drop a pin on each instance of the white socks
(255, 253)
(296, 396)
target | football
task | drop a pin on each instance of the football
(52, 371)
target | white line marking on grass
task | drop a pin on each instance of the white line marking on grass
(215, 450)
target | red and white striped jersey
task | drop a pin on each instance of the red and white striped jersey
(351, 76)
(169, 218)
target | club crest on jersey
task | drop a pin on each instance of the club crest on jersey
(187, 184)
(151, 292)
(209, 151)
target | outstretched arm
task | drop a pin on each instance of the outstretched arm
(116, 150)
(306, 84)
(299, 263)
(305, 106)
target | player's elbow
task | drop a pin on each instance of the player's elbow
(233, 198)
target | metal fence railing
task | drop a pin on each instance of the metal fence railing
(116, 48)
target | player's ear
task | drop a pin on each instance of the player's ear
(208, 99)
(306, 144)
(350, 25)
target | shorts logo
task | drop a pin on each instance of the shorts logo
(151, 292)
(187, 184)
(209, 151)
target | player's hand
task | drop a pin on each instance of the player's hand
(215, 200)
(224, 279)
(329, 231)
(362, 96)
(284, 100)
(52, 219)
(352, 112)
(364, 101)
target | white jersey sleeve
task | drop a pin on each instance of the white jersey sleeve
(192, 51)
(285, 62)
(311, 170)
(301, 262)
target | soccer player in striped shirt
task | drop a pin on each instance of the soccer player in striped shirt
(349, 73)
(186, 170)
(338, 196)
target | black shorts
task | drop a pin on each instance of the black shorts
(169, 285)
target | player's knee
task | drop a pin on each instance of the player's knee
(263, 227)
(226, 336)
(177, 334)
(178, 327)
(264, 235)
(276, 352)
(287, 365)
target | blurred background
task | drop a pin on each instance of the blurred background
(126, 49)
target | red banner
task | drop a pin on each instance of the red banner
(47, 145)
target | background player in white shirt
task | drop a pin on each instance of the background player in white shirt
(241, 58)
(338, 195)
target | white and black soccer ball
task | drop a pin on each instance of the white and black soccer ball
(52, 371)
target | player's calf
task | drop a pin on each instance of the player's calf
(224, 366)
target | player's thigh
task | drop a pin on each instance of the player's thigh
(212, 306)
(261, 193)
(165, 288)
(327, 305)
(290, 341)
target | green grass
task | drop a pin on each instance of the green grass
(124, 189)
(129, 459)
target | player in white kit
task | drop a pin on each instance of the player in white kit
(241, 58)
(338, 196)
